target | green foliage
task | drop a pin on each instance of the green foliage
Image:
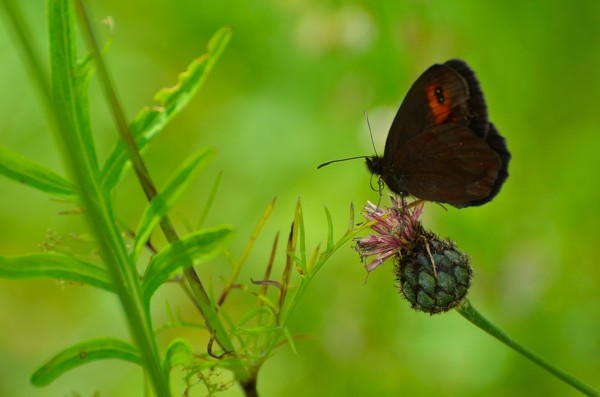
(151, 120)
(245, 342)
(83, 353)
(55, 265)
(193, 249)
(163, 202)
(21, 169)
(288, 93)
(69, 114)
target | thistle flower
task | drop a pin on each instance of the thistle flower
(395, 227)
(432, 274)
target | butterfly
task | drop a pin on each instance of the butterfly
(441, 146)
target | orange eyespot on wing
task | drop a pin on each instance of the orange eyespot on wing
(439, 102)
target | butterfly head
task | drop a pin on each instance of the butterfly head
(375, 164)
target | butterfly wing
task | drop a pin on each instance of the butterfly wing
(446, 163)
(429, 102)
(474, 111)
(447, 93)
(498, 144)
(441, 146)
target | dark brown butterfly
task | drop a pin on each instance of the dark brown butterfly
(441, 146)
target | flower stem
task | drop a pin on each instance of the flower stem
(468, 311)
(202, 300)
(249, 388)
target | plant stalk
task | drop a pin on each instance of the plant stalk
(468, 311)
(202, 300)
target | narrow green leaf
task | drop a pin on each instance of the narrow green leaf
(151, 120)
(237, 265)
(21, 169)
(164, 201)
(83, 353)
(314, 258)
(329, 230)
(290, 340)
(351, 222)
(302, 236)
(54, 265)
(211, 198)
(179, 352)
(191, 250)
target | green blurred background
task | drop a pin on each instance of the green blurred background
(288, 94)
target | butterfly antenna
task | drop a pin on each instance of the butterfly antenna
(357, 157)
(370, 133)
(337, 161)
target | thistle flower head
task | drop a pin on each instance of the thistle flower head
(394, 227)
(432, 274)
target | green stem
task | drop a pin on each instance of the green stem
(202, 300)
(468, 311)
(249, 388)
(62, 104)
(306, 280)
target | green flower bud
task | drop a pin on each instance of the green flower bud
(432, 274)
